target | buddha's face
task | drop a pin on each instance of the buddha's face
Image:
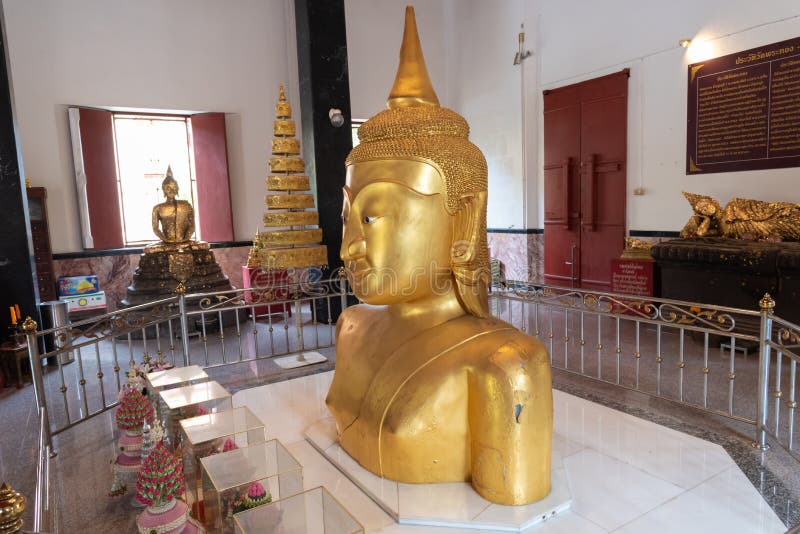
(707, 208)
(170, 190)
(397, 233)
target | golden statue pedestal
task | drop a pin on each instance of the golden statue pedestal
(163, 265)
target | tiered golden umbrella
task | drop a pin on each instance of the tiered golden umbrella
(292, 237)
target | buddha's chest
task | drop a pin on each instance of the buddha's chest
(413, 426)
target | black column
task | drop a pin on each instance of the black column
(17, 270)
(324, 84)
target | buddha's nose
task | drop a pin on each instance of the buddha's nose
(357, 249)
(353, 248)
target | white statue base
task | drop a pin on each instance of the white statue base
(451, 504)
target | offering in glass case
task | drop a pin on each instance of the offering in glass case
(228, 481)
(315, 511)
(158, 381)
(191, 401)
(214, 433)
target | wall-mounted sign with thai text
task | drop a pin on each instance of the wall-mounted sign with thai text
(744, 110)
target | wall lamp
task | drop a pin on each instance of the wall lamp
(685, 43)
(521, 54)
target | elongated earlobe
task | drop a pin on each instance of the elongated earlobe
(470, 254)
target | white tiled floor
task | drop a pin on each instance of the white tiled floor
(626, 475)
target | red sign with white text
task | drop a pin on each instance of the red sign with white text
(632, 277)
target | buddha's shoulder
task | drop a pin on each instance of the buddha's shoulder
(356, 313)
(358, 317)
(505, 349)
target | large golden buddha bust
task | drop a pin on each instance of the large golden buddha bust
(428, 387)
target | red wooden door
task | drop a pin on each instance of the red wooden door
(562, 184)
(585, 123)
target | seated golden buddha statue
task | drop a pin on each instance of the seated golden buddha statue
(173, 220)
(427, 387)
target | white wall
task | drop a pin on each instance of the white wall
(469, 48)
(582, 39)
(575, 40)
(486, 88)
(374, 33)
(200, 55)
(207, 55)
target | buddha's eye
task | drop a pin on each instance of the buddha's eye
(367, 219)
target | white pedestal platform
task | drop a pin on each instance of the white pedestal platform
(626, 475)
(453, 504)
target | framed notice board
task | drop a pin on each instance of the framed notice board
(744, 110)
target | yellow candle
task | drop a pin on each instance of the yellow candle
(16, 310)
(13, 315)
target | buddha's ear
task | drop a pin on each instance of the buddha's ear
(469, 254)
(466, 233)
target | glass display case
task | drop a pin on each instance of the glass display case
(190, 401)
(244, 478)
(315, 511)
(158, 381)
(214, 433)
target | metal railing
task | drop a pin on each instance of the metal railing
(660, 347)
(782, 338)
(666, 349)
(207, 329)
(43, 510)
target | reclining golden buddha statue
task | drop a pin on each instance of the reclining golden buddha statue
(427, 387)
(742, 218)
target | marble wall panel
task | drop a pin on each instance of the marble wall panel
(115, 273)
(536, 258)
(231, 261)
(512, 251)
(523, 254)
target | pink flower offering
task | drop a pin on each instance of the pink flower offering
(256, 490)
(170, 521)
(229, 445)
(202, 410)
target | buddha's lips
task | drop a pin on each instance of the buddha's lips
(357, 272)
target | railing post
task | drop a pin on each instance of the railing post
(181, 291)
(29, 329)
(767, 306)
(343, 287)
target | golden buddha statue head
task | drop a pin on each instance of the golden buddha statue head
(169, 186)
(415, 173)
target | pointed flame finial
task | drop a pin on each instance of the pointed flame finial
(412, 86)
(282, 95)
